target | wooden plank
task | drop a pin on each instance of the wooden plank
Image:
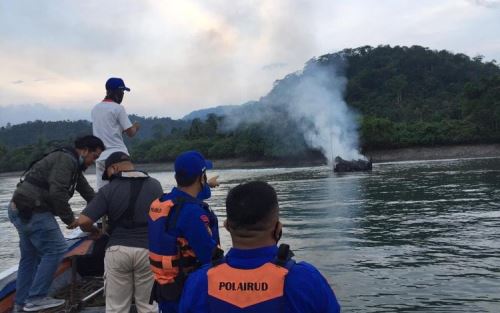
(7, 303)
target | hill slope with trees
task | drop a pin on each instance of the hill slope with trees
(405, 96)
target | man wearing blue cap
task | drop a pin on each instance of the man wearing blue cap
(183, 231)
(109, 122)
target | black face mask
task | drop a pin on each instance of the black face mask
(277, 237)
(119, 98)
(81, 163)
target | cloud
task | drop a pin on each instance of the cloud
(486, 3)
(179, 56)
(17, 82)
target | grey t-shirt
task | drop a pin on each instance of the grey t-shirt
(113, 200)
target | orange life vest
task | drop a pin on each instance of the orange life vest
(170, 256)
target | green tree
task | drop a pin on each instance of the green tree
(3, 151)
(158, 131)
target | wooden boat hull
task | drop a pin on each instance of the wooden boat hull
(78, 245)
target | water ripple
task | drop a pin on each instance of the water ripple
(408, 237)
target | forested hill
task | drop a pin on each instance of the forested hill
(407, 84)
(24, 142)
(417, 96)
(39, 131)
(406, 96)
(411, 96)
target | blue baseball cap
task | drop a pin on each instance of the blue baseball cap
(191, 164)
(115, 83)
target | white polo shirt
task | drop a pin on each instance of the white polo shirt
(109, 120)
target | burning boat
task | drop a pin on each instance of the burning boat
(359, 165)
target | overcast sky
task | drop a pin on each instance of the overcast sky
(178, 56)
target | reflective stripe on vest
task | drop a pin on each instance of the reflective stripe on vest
(246, 290)
(165, 267)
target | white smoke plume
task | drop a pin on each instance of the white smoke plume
(314, 100)
(318, 99)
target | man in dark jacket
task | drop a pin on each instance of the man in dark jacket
(125, 200)
(44, 193)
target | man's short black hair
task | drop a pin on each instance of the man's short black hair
(249, 205)
(89, 142)
(183, 181)
(113, 93)
(186, 181)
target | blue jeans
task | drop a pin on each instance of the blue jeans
(42, 248)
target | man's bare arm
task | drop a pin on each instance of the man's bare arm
(131, 131)
(87, 225)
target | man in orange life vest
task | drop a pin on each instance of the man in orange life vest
(256, 275)
(183, 231)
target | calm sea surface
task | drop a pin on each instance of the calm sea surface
(408, 237)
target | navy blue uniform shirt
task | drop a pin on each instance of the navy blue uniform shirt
(306, 290)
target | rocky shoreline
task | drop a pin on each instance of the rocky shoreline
(435, 153)
(377, 156)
